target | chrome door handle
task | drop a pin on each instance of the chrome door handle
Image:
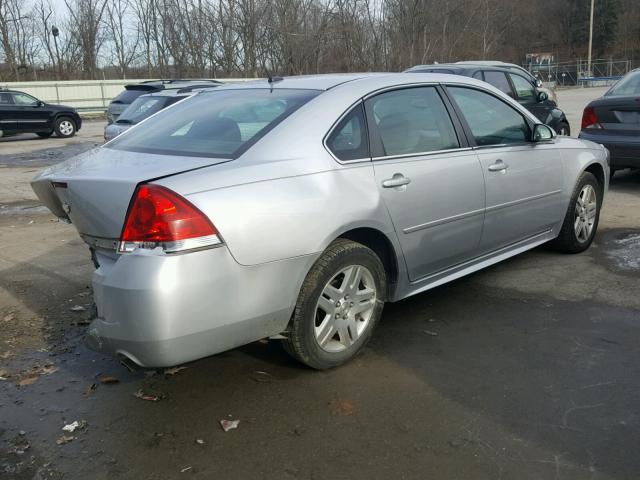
(498, 166)
(398, 180)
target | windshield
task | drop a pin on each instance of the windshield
(219, 124)
(143, 107)
(629, 85)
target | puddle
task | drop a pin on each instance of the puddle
(623, 250)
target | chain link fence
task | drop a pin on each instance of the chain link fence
(567, 74)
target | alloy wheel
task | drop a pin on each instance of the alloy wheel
(345, 308)
(66, 127)
(585, 213)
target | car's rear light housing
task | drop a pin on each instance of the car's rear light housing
(160, 218)
(590, 119)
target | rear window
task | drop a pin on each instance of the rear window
(143, 107)
(628, 86)
(220, 124)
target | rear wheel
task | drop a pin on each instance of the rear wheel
(65, 127)
(338, 307)
(44, 134)
(581, 221)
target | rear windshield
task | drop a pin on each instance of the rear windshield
(128, 96)
(143, 107)
(629, 85)
(220, 124)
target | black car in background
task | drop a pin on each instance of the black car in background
(22, 113)
(133, 91)
(514, 84)
(614, 121)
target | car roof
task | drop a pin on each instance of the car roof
(180, 92)
(302, 82)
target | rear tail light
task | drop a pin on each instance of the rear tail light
(589, 119)
(159, 217)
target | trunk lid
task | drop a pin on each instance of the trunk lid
(620, 115)
(93, 190)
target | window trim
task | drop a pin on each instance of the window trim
(463, 143)
(359, 102)
(467, 129)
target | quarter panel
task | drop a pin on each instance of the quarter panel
(286, 217)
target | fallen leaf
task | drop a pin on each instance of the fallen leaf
(107, 379)
(90, 389)
(173, 370)
(48, 370)
(65, 439)
(77, 308)
(8, 318)
(341, 406)
(229, 424)
(430, 332)
(186, 469)
(199, 441)
(143, 396)
(28, 381)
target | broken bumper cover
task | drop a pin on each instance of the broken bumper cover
(159, 310)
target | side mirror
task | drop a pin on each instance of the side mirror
(542, 96)
(542, 133)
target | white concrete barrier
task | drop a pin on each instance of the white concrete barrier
(85, 95)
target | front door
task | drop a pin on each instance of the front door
(431, 184)
(523, 179)
(30, 114)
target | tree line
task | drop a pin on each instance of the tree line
(94, 39)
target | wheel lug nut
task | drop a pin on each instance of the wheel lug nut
(337, 304)
(351, 304)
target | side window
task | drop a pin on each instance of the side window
(349, 140)
(498, 80)
(5, 99)
(524, 89)
(24, 99)
(478, 75)
(492, 121)
(410, 121)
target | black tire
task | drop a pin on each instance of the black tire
(564, 129)
(44, 134)
(61, 127)
(301, 340)
(567, 241)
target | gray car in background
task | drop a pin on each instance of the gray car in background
(133, 91)
(295, 208)
(145, 106)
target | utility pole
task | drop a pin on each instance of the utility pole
(55, 32)
(589, 73)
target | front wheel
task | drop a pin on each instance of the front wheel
(581, 220)
(338, 307)
(65, 127)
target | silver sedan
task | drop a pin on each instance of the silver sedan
(295, 208)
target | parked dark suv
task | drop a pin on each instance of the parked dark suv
(133, 91)
(22, 113)
(514, 84)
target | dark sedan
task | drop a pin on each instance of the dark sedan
(614, 121)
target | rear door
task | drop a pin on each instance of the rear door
(7, 112)
(523, 179)
(430, 181)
